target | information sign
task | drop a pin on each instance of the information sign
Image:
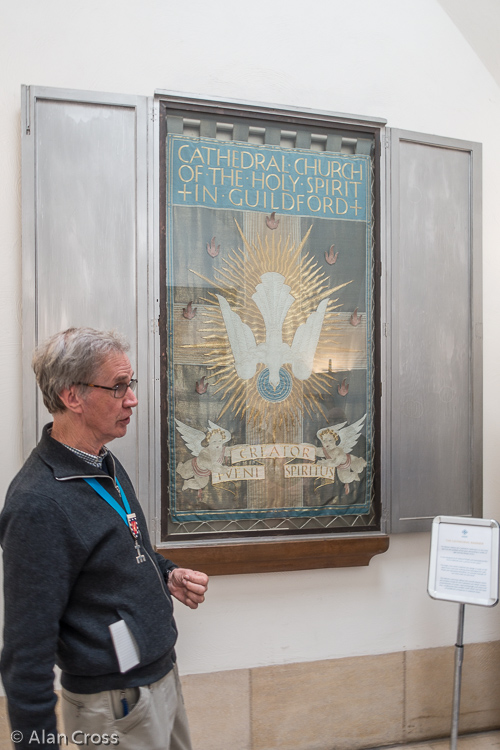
(464, 560)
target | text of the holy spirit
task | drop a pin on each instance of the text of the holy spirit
(292, 471)
(269, 451)
(263, 180)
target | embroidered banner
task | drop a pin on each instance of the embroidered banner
(269, 315)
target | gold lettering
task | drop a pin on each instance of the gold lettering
(310, 201)
(224, 176)
(207, 192)
(196, 155)
(310, 167)
(272, 163)
(356, 188)
(358, 171)
(223, 157)
(250, 164)
(356, 207)
(214, 171)
(252, 205)
(186, 161)
(260, 161)
(208, 149)
(296, 163)
(327, 168)
(347, 170)
(307, 450)
(255, 178)
(276, 177)
(189, 170)
(235, 202)
(339, 203)
(327, 204)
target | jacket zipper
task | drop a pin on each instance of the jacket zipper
(107, 476)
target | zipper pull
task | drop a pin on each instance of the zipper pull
(124, 702)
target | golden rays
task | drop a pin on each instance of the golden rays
(236, 281)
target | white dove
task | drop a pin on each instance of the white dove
(273, 299)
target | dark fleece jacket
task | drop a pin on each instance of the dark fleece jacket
(70, 571)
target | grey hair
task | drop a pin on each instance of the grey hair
(71, 357)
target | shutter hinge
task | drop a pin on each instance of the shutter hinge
(28, 112)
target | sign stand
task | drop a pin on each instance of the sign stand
(459, 658)
(463, 568)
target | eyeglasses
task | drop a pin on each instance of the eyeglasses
(119, 390)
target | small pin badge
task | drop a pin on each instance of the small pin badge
(134, 530)
(132, 524)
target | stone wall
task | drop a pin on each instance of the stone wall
(339, 704)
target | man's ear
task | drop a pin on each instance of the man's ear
(72, 399)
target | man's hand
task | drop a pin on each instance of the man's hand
(188, 586)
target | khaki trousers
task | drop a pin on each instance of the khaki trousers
(157, 721)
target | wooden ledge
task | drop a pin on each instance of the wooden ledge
(288, 554)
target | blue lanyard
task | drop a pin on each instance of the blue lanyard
(110, 499)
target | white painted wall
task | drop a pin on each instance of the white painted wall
(399, 59)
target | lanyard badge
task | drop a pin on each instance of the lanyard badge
(130, 519)
(132, 524)
(134, 530)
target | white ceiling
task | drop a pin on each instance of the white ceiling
(479, 23)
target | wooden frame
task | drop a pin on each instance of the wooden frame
(277, 556)
(254, 552)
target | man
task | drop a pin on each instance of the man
(78, 559)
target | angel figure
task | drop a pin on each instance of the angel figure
(208, 453)
(337, 442)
